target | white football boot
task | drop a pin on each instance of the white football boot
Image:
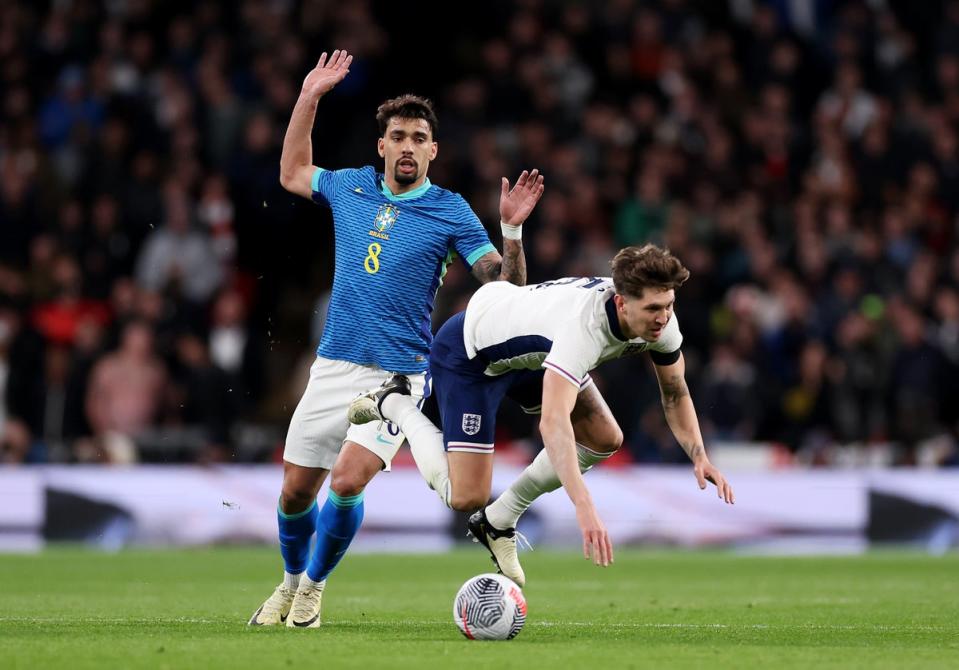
(501, 545)
(273, 612)
(305, 610)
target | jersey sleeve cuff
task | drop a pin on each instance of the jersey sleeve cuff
(479, 253)
(578, 383)
(315, 186)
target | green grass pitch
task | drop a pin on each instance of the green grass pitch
(69, 608)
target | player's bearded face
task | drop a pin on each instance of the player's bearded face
(408, 148)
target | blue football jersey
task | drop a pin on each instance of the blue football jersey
(391, 255)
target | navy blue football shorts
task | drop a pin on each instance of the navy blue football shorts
(468, 399)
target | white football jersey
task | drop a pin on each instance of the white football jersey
(567, 325)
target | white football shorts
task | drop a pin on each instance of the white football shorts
(319, 426)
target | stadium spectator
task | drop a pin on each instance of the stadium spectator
(176, 256)
(204, 395)
(236, 350)
(125, 394)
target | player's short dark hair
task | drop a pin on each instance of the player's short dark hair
(407, 106)
(648, 266)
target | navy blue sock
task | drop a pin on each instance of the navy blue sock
(337, 524)
(296, 531)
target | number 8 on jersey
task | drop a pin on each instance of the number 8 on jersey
(372, 260)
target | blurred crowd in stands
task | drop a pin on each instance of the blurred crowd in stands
(161, 295)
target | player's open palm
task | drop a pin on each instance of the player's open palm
(516, 204)
(596, 544)
(327, 73)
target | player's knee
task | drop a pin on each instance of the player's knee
(613, 441)
(347, 483)
(300, 486)
(294, 499)
(468, 501)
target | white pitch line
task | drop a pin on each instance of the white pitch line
(753, 626)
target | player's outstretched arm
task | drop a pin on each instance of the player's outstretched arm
(515, 206)
(559, 398)
(296, 161)
(682, 420)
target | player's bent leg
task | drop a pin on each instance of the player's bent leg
(313, 441)
(595, 426)
(336, 526)
(393, 401)
(296, 522)
(429, 454)
(471, 477)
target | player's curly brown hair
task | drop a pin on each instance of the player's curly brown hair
(648, 266)
(407, 106)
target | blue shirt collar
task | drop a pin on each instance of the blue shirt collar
(415, 193)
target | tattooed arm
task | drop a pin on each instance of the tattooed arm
(511, 266)
(682, 420)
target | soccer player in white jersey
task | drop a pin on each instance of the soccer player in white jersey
(536, 344)
(395, 235)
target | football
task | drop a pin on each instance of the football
(490, 607)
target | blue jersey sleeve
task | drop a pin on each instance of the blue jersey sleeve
(324, 185)
(470, 240)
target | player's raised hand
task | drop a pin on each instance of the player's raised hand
(516, 204)
(596, 544)
(707, 472)
(327, 73)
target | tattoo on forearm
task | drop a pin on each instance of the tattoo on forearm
(487, 270)
(513, 267)
(673, 390)
(510, 267)
(695, 451)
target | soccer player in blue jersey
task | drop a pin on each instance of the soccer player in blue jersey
(395, 234)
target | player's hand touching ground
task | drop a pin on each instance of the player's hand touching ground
(327, 74)
(707, 472)
(596, 544)
(516, 204)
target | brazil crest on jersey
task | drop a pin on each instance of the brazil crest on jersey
(391, 255)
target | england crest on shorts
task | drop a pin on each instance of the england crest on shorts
(471, 423)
